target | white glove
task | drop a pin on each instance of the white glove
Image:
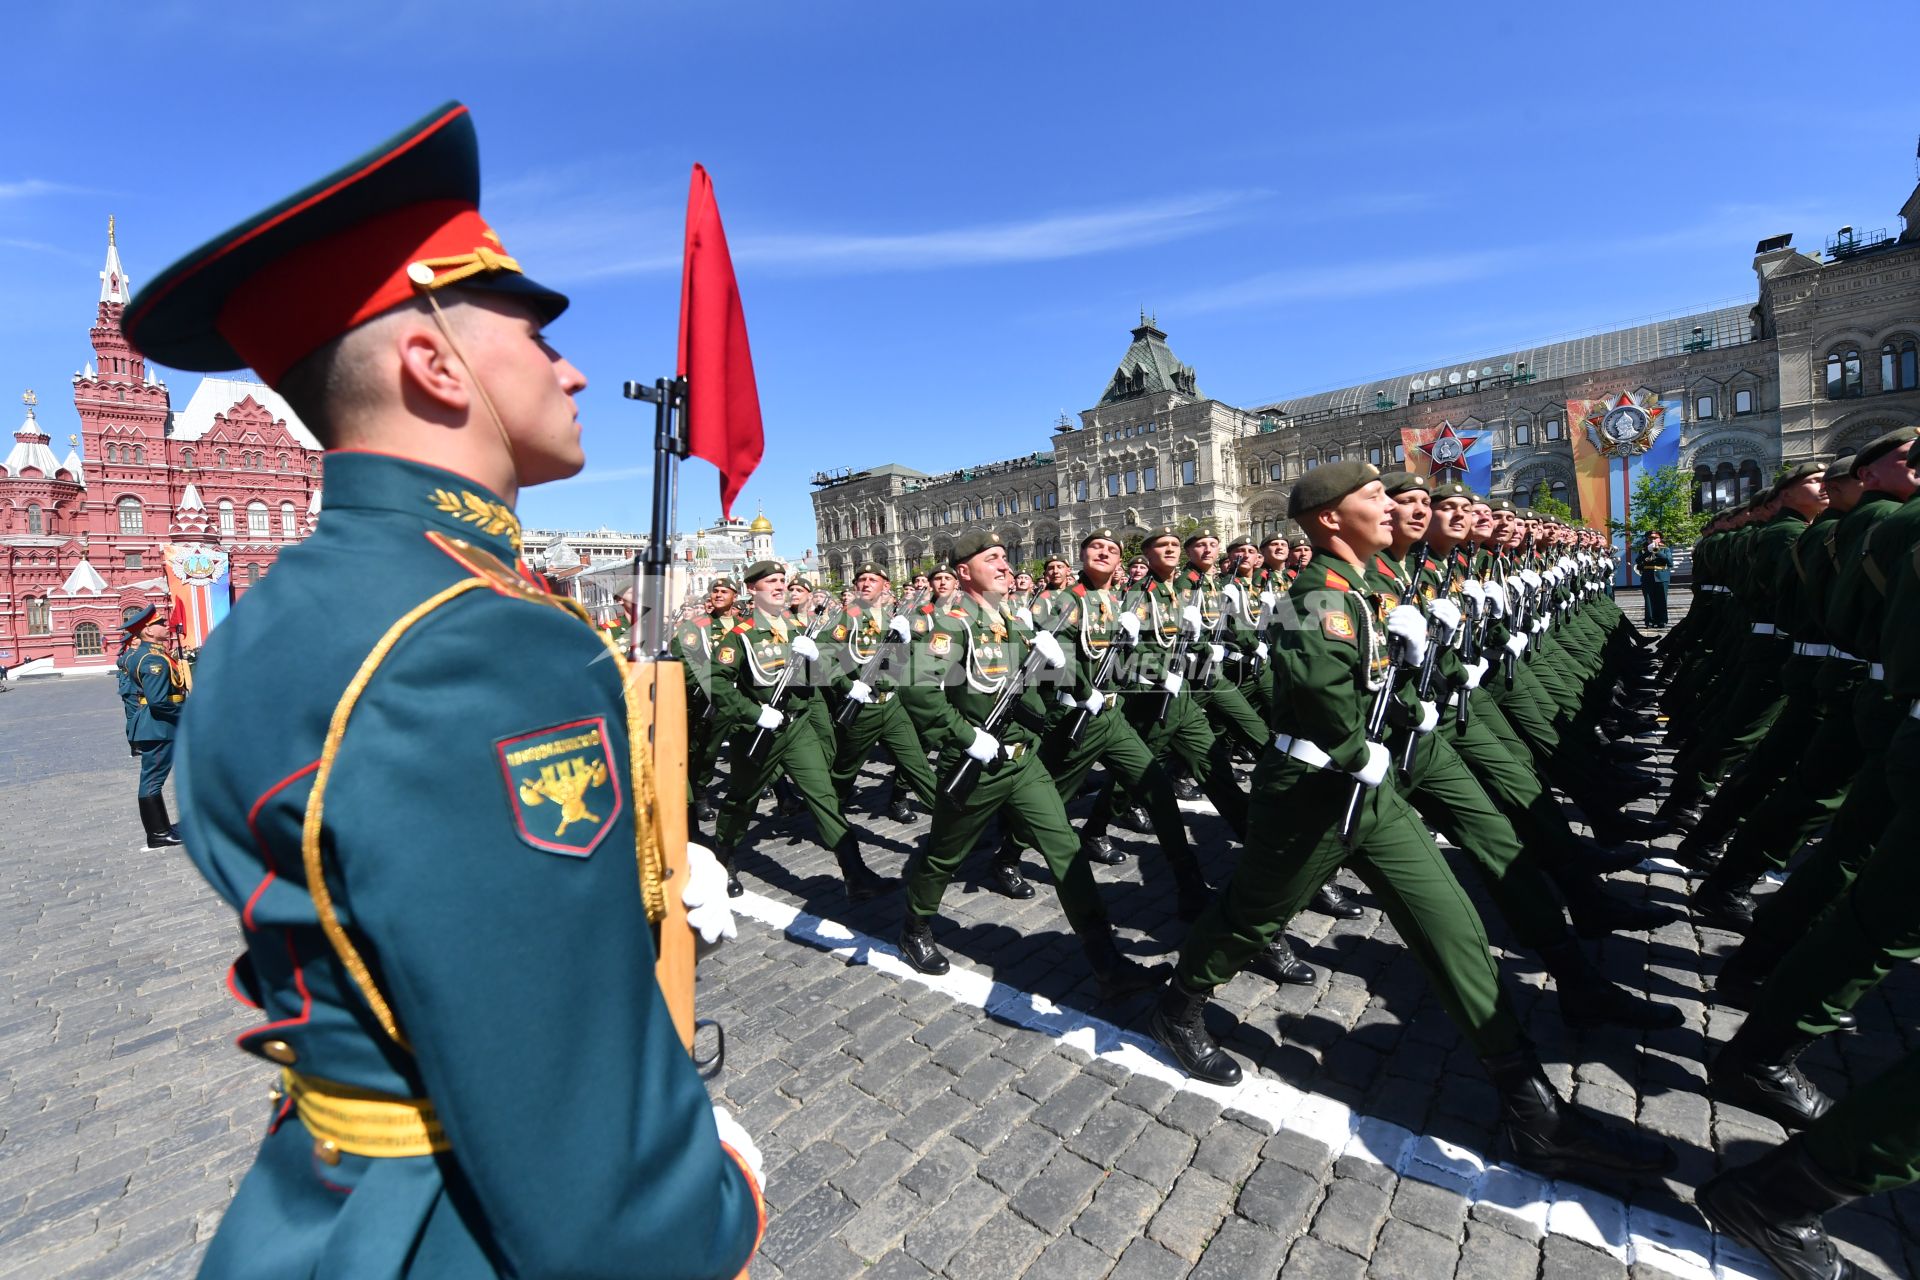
(1516, 644)
(901, 628)
(1447, 614)
(1476, 670)
(1269, 599)
(1216, 654)
(1049, 649)
(1515, 596)
(1130, 623)
(770, 718)
(1473, 591)
(1429, 717)
(1172, 683)
(1537, 626)
(1529, 577)
(1191, 616)
(1025, 616)
(1374, 771)
(705, 896)
(860, 691)
(1496, 600)
(985, 746)
(1094, 702)
(734, 1136)
(1261, 651)
(804, 647)
(1406, 622)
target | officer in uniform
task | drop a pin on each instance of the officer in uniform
(692, 644)
(870, 628)
(1329, 668)
(160, 690)
(129, 686)
(1655, 567)
(436, 854)
(756, 665)
(963, 656)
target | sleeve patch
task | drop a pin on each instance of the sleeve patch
(563, 785)
(1338, 626)
(724, 655)
(940, 644)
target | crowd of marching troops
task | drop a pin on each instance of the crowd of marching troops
(1404, 657)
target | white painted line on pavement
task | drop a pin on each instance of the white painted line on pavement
(1683, 1249)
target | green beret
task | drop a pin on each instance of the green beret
(1841, 466)
(1452, 489)
(1882, 446)
(800, 580)
(762, 569)
(972, 545)
(1159, 535)
(1196, 535)
(724, 584)
(1324, 486)
(1101, 535)
(1241, 541)
(1279, 534)
(874, 569)
(1295, 533)
(1500, 504)
(1398, 482)
(1526, 513)
(1800, 473)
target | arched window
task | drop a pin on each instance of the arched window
(1553, 428)
(313, 466)
(1702, 408)
(226, 516)
(221, 457)
(35, 524)
(283, 462)
(139, 455)
(132, 518)
(86, 640)
(1559, 491)
(1702, 488)
(39, 616)
(1522, 432)
(256, 519)
(1898, 366)
(1276, 471)
(1743, 401)
(1749, 480)
(186, 458)
(253, 573)
(1843, 374)
(287, 524)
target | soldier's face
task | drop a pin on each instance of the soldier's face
(869, 586)
(920, 582)
(1364, 518)
(1412, 513)
(770, 592)
(1135, 572)
(945, 583)
(1057, 573)
(1023, 582)
(1452, 519)
(1274, 554)
(1481, 522)
(1301, 555)
(987, 573)
(1204, 552)
(1100, 558)
(155, 632)
(1163, 557)
(532, 386)
(1500, 526)
(720, 600)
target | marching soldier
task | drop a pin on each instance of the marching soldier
(692, 644)
(159, 688)
(763, 695)
(1655, 567)
(1331, 667)
(870, 624)
(963, 658)
(428, 846)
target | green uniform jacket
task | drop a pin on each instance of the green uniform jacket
(479, 844)
(963, 655)
(1326, 665)
(162, 692)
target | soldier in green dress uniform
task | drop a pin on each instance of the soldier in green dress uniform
(867, 626)
(160, 690)
(1331, 660)
(438, 839)
(963, 656)
(1654, 564)
(128, 685)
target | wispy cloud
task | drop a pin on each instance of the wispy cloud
(29, 188)
(1343, 282)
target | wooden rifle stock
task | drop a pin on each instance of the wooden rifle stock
(659, 700)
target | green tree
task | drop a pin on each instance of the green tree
(1547, 505)
(1662, 503)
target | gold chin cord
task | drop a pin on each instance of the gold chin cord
(426, 288)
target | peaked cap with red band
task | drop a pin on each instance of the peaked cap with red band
(401, 220)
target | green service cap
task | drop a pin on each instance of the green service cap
(1500, 504)
(1800, 473)
(1398, 482)
(1881, 446)
(762, 569)
(1324, 486)
(972, 545)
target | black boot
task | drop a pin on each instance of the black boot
(1099, 848)
(1774, 1205)
(1602, 858)
(786, 799)
(1598, 914)
(1614, 828)
(1721, 900)
(917, 946)
(1681, 812)
(901, 809)
(154, 820)
(734, 887)
(1005, 875)
(1757, 1070)
(1135, 818)
(1118, 975)
(1277, 963)
(1328, 900)
(702, 807)
(1587, 999)
(1699, 850)
(862, 881)
(1556, 1138)
(1177, 1024)
(1185, 788)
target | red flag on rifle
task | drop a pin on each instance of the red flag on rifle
(723, 405)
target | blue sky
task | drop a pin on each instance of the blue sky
(946, 217)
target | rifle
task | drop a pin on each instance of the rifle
(1203, 666)
(1423, 687)
(763, 738)
(1376, 725)
(1508, 660)
(1176, 656)
(966, 775)
(1101, 674)
(1472, 638)
(870, 670)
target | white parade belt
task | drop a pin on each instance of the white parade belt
(1803, 650)
(1767, 629)
(1835, 651)
(1914, 710)
(1876, 672)
(1303, 750)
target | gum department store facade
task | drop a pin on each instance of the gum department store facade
(1822, 362)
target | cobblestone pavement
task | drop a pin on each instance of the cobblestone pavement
(996, 1122)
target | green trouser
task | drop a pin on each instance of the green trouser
(795, 752)
(1874, 925)
(1031, 809)
(1109, 739)
(1776, 756)
(1787, 817)
(1186, 733)
(1749, 712)
(1233, 717)
(1527, 707)
(1293, 847)
(882, 723)
(1503, 766)
(1444, 792)
(1784, 917)
(1870, 1140)
(1258, 691)
(820, 720)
